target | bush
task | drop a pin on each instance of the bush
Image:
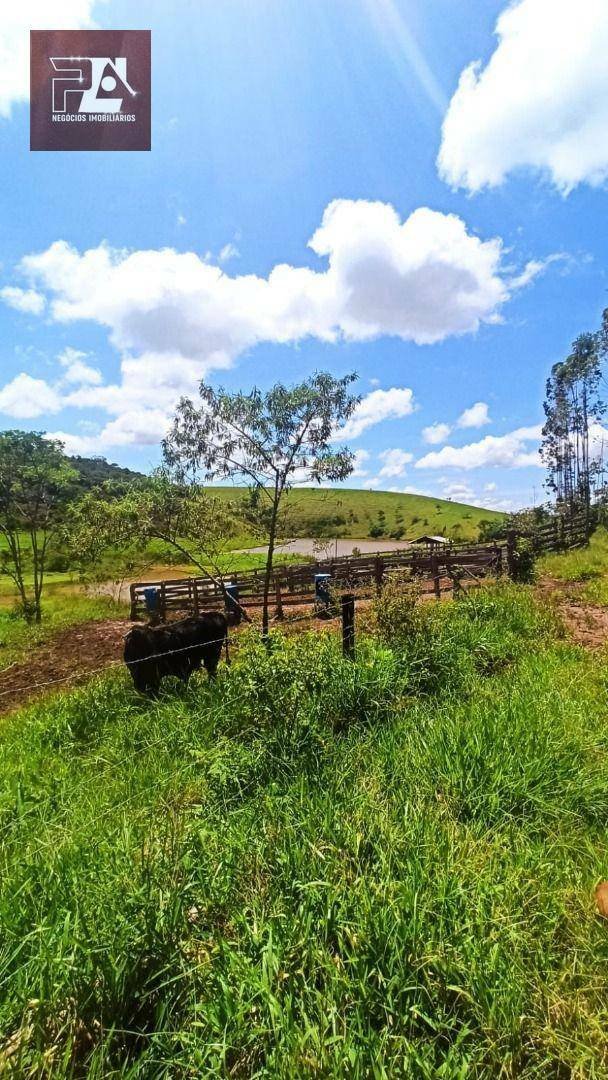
(524, 571)
(377, 529)
(57, 564)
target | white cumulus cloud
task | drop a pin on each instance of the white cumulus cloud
(459, 492)
(173, 317)
(16, 21)
(379, 405)
(27, 301)
(475, 417)
(25, 398)
(141, 427)
(541, 101)
(436, 433)
(422, 280)
(395, 462)
(76, 371)
(495, 451)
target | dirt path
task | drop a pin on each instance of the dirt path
(586, 623)
(75, 652)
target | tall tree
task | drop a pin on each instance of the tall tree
(183, 517)
(573, 405)
(270, 440)
(36, 485)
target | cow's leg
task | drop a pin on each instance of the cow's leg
(212, 658)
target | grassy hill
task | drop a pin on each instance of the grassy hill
(349, 512)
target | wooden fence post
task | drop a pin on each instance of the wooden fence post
(378, 572)
(348, 626)
(512, 554)
(435, 576)
(498, 552)
(278, 613)
(163, 602)
(453, 574)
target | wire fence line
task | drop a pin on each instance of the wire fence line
(230, 640)
(32, 811)
(334, 610)
(111, 808)
(112, 663)
(162, 739)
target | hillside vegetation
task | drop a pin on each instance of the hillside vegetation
(315, 867)
(350, 512)
(95, 471)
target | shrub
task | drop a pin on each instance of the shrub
(57, 563)
(524, 562)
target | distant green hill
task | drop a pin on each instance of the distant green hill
(96, 470)
(350, 513)
(357, 514)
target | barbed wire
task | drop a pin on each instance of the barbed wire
(84, 783)
(112, 808)
(334, 610)
(315, 605)
(113, 663)
(6, 830)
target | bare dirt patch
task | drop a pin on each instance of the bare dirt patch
(587, 624)
(71, 655)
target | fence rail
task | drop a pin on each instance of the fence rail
(436, 568)
(296, 585)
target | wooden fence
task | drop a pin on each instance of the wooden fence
(296, 585)
(436, 570)
(558, 534)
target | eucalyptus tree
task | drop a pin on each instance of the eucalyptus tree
(121, 528)
(36, 486)
(573, 405)
(269, 440)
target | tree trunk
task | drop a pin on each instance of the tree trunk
(269, 559)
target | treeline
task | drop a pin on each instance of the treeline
(573, 437)
(94, 471)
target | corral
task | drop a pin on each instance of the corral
(435, 569)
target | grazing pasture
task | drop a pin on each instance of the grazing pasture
(314, 866)
(354, 513)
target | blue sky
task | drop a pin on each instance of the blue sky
(276, 121)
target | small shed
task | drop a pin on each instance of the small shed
(432, 542)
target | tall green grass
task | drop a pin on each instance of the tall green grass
(585, 568)
(313, 867)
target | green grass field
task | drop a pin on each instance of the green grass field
(586, 569)
(314, 867)
(350, 512)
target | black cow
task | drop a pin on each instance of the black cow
(178, 648)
